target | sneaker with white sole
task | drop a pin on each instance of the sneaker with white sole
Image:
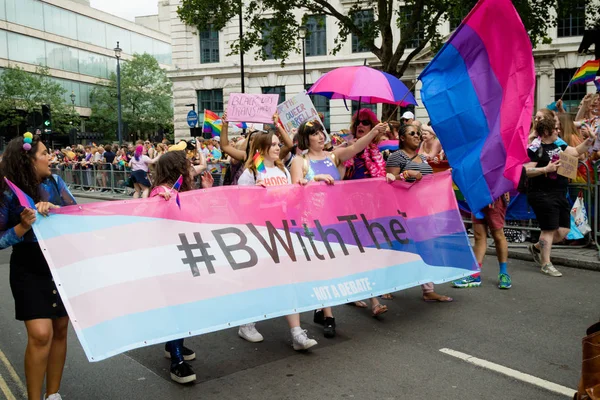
(249, 333)
(301, 341)
(54, 396)
(536, 254)
(188, 354)
(182, 373)
(551, 270)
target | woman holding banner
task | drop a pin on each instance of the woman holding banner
(272, 172)
(320, 166)
(26, 163)
(408, 165)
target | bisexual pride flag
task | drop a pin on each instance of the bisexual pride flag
(252, 253)
(479, 93)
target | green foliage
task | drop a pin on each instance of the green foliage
(23, 93)
(146, 99)
(416, 18)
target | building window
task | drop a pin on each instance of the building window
(316, 37)
(209, 46)
(268, 47)
(571, 21)
(361, 18)
(280, 90)
(321, 104)
(210, 100)
(372, 107)
(418, 34)
(573, 95)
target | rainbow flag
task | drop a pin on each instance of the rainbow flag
(587, 72)
(212, 123)
(258, 163)
(23, 198)
(176, 188)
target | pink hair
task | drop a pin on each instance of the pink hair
(373, 159)
(139, 149)
(363, 113)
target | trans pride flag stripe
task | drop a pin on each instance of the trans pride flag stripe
(479, 97)
(240, 248)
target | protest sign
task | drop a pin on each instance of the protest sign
(250, 252)
(568, 166)
(295, 111)
(244, 107)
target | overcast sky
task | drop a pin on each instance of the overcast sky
(128, 9)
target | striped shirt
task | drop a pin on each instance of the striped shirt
(399, 159)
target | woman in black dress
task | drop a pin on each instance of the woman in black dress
(37, 301)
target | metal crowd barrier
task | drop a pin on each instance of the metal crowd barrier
(99, 177)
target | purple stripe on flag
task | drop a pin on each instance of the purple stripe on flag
(490, 94)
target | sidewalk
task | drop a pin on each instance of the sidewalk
(586, 258)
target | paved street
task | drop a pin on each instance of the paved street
(535, 328)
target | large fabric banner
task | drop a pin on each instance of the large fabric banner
(141, 272)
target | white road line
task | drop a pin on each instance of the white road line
(13, 374)
(553, 387)
(6, 390)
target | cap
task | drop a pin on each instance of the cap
(408, 115)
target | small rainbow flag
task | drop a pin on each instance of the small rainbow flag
(258, 163)
(176, 188)
(391, 145)
(23, 198)
(212, 123)
(587, 72)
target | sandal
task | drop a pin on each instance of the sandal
(379, 309)
(387, 296)
(441, 299)
(359, 304)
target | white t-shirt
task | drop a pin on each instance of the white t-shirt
(141, 164)
(273, 177)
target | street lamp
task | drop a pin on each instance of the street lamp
(118, 52)
(72, 96)
(302, 35)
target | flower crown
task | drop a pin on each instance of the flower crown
(27, 140)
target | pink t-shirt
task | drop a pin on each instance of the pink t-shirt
(161, 189)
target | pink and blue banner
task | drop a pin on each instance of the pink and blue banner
(479, 93)
(141, 272)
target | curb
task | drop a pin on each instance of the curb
(104, 197)
(566, 261)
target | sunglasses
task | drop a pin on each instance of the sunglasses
(364, 122)
(413, 133)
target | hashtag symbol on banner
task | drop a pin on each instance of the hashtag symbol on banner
(193, 261)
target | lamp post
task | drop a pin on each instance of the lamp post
(302, 35)
(118, 52)
(72, 96)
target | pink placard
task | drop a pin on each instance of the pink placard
(244, 107)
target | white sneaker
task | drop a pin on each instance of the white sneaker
(54, 396)
(550, 270)
(249, 333)
(302, 342)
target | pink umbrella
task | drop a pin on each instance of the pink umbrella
(363, 84)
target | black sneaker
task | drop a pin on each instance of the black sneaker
(188, 354)
(329, 327)
(182, 373)
(319, 317)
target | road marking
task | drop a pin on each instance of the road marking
(553, 387)
(13, 374)
(6, 390)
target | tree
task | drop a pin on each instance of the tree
(418, 20)
(21, 97)
(146, 99)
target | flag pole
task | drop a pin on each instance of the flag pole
(568, 86)
(399, 104)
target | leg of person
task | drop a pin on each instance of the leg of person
(430, 296)
(137, 189)
(181, 372)
(145, 191)
(328, 323)
(479, 249)
(39, 341)
(300, 339)
(248, 332)
(57, 356)
(188, 354)
(376, 307)
(504, 280)
(546, 240)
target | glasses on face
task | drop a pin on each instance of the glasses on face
(364, 122)
(413, 133)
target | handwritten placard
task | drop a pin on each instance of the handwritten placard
(244, 107)
(568, 166)
(295, 111)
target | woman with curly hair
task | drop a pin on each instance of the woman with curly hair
(26, 163)
(168, 168)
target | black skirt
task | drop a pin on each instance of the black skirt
(140, 177)
(32, 285)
